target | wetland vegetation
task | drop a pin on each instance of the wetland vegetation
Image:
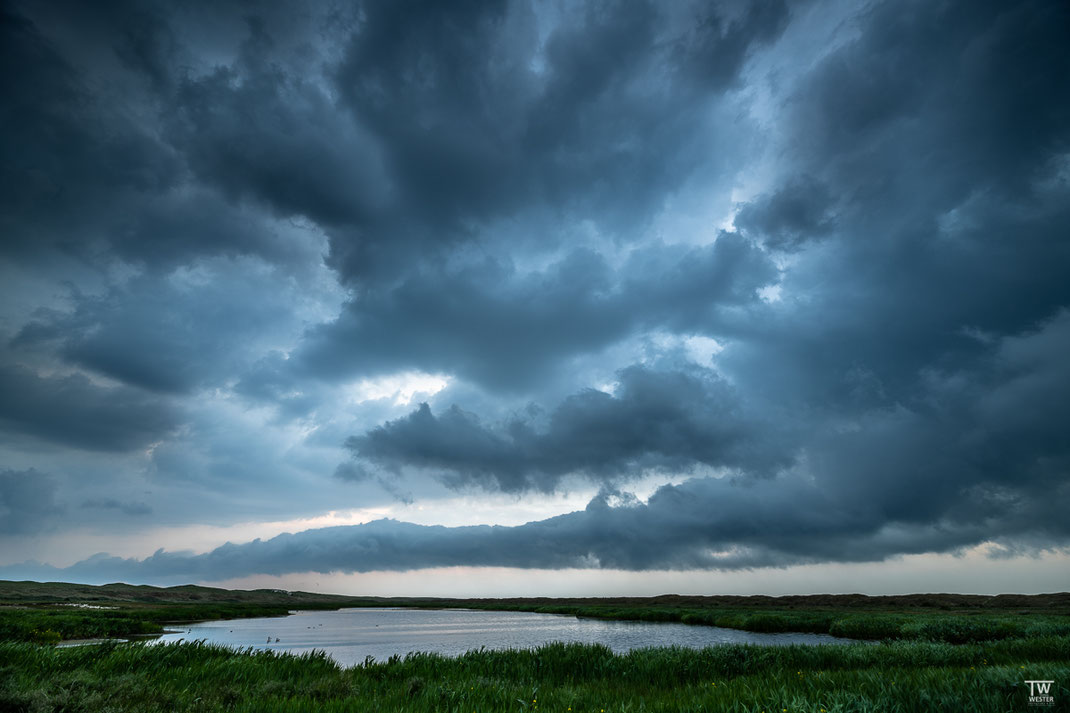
(938, 652)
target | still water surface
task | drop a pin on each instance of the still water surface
(350, 635)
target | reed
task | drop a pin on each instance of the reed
(899, 675)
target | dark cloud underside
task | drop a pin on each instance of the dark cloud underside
(656, 419)
(72, 411)
(805, 260)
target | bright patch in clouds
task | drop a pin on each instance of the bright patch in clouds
(401, 388)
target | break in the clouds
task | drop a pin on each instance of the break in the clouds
(781, 282)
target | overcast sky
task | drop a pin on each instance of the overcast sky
(383, 297)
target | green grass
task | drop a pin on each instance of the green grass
(956, 627)
(48, 623)
(936, 652)
(52, 623)
(50, 611)
(893, 676)
(38, 611)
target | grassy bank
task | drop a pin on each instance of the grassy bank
(46, 613)
(955, 627)
(893, 676)
(950, 627)
(937, 652)
(50, 623)
(54, 611)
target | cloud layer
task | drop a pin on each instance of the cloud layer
(802, 263)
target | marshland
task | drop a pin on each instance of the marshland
(932, 652)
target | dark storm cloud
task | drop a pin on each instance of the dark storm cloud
(171, 335)
(968, 92)
(928, 285)
(267, 135)
(90, 169)
(161, 136)
(947, 166)
(489, 324)
(479, 118)
(71, 158)
(706, 523)
(487, 178)
(797, 212)
(27, 502)
(671, 420)
(127, 508)
(73, 411)
(897, 482)
(395, 129)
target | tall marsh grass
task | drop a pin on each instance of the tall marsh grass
(892, 676)
(950, 627)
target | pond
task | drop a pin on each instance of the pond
(350, 635)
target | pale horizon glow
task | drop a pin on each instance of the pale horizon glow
(969, 573)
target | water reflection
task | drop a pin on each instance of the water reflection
(351, 635)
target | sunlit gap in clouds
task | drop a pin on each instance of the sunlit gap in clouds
(403, 388)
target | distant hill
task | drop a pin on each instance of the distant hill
(1054, 601)
(60, 592)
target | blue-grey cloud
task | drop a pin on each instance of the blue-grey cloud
(491, 325)
(242, 212)
(27, 502)
(480, 118)
(126, 508)
(668, 420)
(706, 523)
(800, 210)
(176, 333)
(72, 411)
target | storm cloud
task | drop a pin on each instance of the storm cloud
(508, 330)
(73, 411)
(699, 524)
(655, 419)
(27, 502)
(801, 264)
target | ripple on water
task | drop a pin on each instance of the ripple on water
(351, 635)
